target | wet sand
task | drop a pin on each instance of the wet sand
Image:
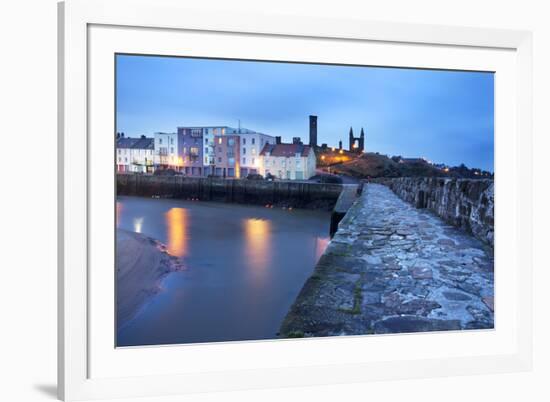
(142, 263)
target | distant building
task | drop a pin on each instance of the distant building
(168, 151)
(288, 161)
(251, 144)
(192, 150)
(227, 151)
(135, 155)
(313, 131)
(204, 161)
(356, 144)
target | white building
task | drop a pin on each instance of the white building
(288, 161)
(252, 145)
(135, 155)
(168, 150)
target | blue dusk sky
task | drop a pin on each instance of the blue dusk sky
(444, 116)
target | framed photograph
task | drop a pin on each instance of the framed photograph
(252, 201)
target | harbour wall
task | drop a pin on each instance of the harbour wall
(465, 203)
(295, 194)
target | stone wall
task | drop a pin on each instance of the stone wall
(259, 192)
(466, 203)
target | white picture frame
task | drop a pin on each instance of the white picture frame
(89, 369)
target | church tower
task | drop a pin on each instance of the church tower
(351, 139)
(362, 141)
(313, 130)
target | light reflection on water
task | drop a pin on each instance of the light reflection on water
(245, 265)
(257, 246)
(118, 213)
(176, 224)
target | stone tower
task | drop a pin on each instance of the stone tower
(362, 141)
(313, 131)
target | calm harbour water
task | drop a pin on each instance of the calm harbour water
(244, 267)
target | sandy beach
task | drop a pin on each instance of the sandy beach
(141, 264)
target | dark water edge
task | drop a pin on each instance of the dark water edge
(244, 266)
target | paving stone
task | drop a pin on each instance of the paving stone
(421, 272)
(414, 324)
(457, 296)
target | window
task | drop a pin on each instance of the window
(206, 161)
(160, 140)
(171, 150)
(244, 161)
(253, 161)
(223, 130)
(219, 149)
(253, 151)
(231, 142)
(231, 161)
(219, 160)
(118, 151)
(194, 151)
(206, 141)
(126, 160)
(119, 159)
(220, 140)
(244, 141)
(171, 141)
(253, 141)
(244, 151)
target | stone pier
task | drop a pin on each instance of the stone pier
(392, 268)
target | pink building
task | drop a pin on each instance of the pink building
(227, 156)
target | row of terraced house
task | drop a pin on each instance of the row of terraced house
(220, 151)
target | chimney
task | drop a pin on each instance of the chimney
(313, 131)
(278, 139)
(296, 140)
